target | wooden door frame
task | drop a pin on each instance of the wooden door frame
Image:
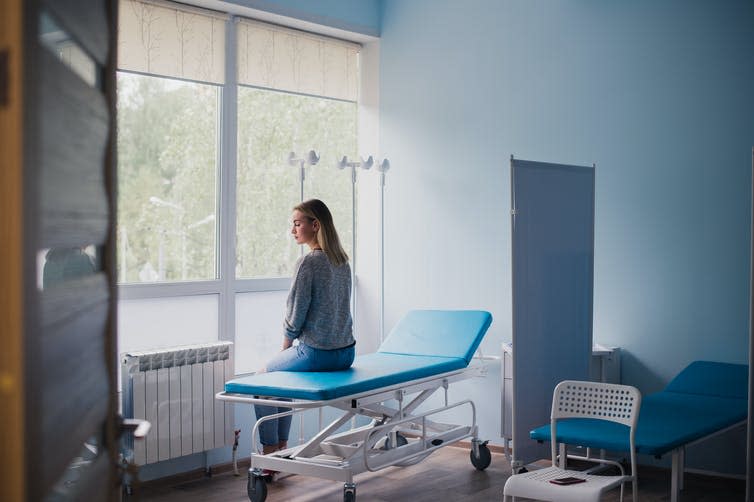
(12, 384)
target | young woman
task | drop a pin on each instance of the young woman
(318, 312)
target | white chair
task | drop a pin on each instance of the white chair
(576, 399)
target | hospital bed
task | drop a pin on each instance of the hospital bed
(426, 352)
(705, 399)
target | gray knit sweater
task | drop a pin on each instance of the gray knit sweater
(318, 308)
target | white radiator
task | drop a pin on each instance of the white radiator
(174, 389)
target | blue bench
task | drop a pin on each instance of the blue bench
(705, 399)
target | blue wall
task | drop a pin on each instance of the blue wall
(360, 16)
(659, 94)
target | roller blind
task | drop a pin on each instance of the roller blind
(274, 57)
(171, 40)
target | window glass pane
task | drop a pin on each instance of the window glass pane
(270, 125)
(166, 322)
(167, 179)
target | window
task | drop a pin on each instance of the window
(191, 117)
(172, 66)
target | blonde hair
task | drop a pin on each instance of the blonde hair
(327, 236)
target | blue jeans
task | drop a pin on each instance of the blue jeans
(298, 358)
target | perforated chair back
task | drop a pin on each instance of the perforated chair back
(596, 400)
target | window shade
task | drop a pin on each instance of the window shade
(274, 57)
(172, 41)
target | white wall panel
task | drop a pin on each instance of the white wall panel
(259, 328)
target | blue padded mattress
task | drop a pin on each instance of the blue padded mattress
(704, 398)
(423, 344)
(371, 371)
(666, 420)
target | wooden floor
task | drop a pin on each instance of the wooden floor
(447, 475)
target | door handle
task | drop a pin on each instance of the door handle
(137, 427)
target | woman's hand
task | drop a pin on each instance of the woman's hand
(287, 342)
